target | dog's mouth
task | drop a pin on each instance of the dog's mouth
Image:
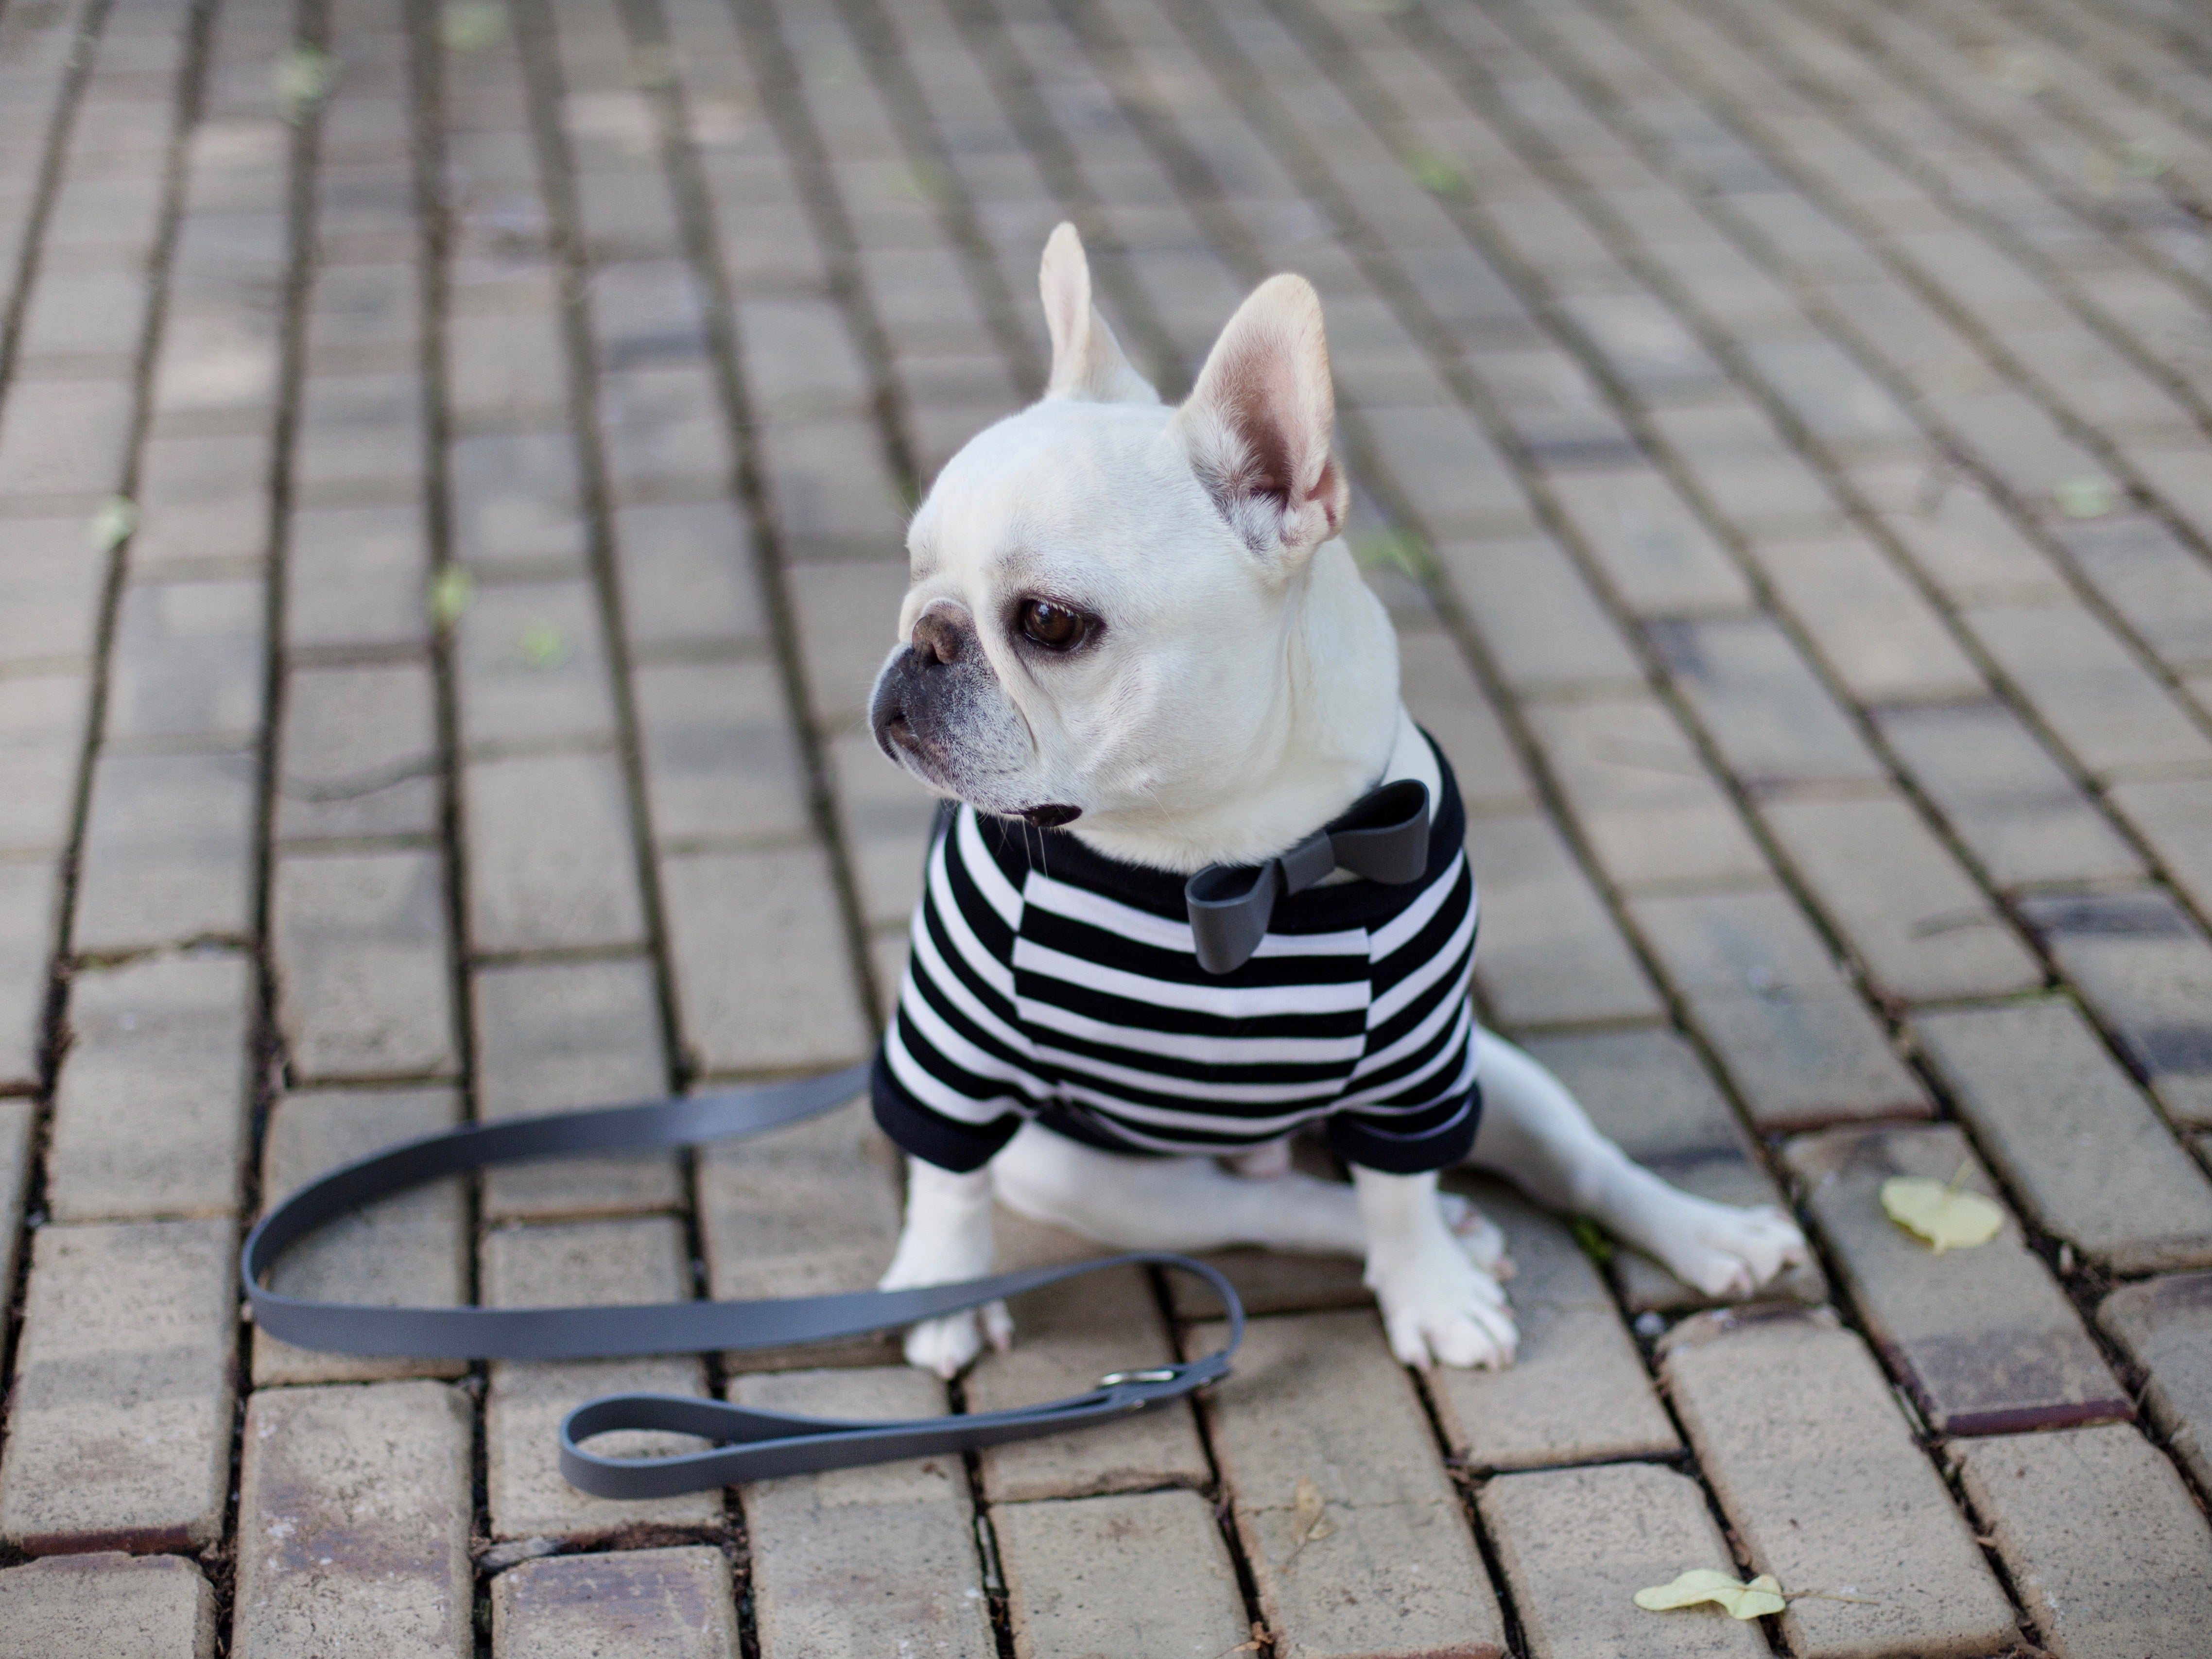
(1051, 815)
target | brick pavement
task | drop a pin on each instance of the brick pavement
(452, 465)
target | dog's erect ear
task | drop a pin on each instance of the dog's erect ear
(1086, 359)
(1258, 424)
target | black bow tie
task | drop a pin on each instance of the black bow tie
(1384, 836)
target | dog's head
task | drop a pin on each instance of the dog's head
(1133, 618)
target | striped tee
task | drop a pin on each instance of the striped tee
(1049, 982)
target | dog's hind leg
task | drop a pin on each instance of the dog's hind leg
(1534, 1134)
(1170, 1203)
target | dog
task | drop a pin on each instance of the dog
(1135, 646)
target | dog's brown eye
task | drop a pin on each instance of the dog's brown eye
(1052, 626)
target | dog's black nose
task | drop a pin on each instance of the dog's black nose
(938, 637)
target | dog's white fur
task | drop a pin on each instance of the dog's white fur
(1238, 686)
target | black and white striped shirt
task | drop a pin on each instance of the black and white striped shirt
(1048, 981)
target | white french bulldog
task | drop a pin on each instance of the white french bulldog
(1137, 622)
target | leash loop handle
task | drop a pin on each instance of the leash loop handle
(754, 1445)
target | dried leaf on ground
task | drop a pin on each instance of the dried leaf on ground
(451, 593)
(1308, 1518)
(1942, 1214)
(1761, 1597)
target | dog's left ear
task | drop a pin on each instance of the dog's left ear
(1087, 360)
(1258, 424)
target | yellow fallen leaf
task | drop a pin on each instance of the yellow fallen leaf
(1761, 1597)
(1309, 1513)
(1944, 1216)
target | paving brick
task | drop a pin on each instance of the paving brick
(2175, 816)
(531, 667)
(506, 367)
(353, 1527)
(201, 500)
(1772, 721)
(1957, 535)
(856, 1563)
(887, 816)
(554, 1036)
(802, 1211)
(2165, 1327)
(214, 361)
(1796, 1428)
(660, 425)
(762, 979)
(358, 434)
(119, 1419)
(1760, 987)
(53, 591)
(42, 739)
(1659, 558)
(640, 1260)
(2101, 703)
(1441, 692)
(2072, 1135)
(1879, 636)
(848, 615)
(356, 576)
(1910, 914)
(1548, 951)
(1984, 1339)
(2149, 576)
(1447, 469)
(359, 754)
(551, 863)
(29, 897)
(1647, 1093)
(106, 1606)
(149, 1113)
(407, 1250)
(1578, 1544)
(63, 437)
(1067, 1338)
(515, 498)
(1536, 615)
(362, 969)
(2004, 797)
(1143, 1574)
(644, 1604)
(1319, 1399)
(1576, 1391)
(2110, 1551)
(1645, 345)
(1642, 795)
(2144, 968)
(687, 572)
(169, 850)
(720, 758)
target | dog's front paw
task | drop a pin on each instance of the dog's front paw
(948, 1346)
(1440, 1308)
(1726, 1251)
(1478, 1235)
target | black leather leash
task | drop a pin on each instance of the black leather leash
(754, 1445)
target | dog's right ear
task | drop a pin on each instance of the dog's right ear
(1087, 364)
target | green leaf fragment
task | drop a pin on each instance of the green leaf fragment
(113, 524)
(1591, 1239)
(471, 25)
(543, 645)
(1394, 549)
(301, 79)
(2085, 497)
(1436, 174)
(2142, 158)
(451, 592)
